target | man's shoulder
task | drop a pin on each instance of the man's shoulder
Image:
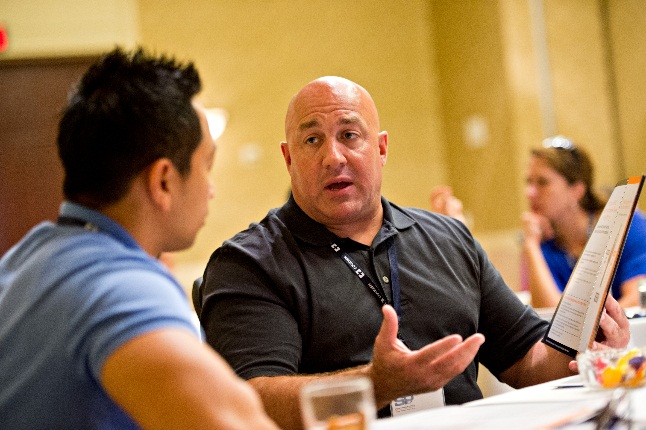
(67, 251)
(271, 225)
(416, 212)
(84, 269)
(259, 237)
(427, 219)
(101, 246)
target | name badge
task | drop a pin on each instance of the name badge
(418, 402)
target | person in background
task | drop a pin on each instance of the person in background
(95, 331)
(443, 201)
(340, 281)
(563, 212)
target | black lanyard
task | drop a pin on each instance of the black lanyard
(77, 222)
(375, 288)
(117, 233)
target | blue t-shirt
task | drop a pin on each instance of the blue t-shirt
(632, 262)
(69, 296)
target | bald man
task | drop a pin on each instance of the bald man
(340, 281)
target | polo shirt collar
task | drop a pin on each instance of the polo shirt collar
(306, 229)
(102, 222)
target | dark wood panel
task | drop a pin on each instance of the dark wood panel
(32, 94)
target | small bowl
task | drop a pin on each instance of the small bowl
(613, 368)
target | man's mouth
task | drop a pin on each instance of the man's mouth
(337, 186)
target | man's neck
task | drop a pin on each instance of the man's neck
(364, 238)
(137, 222)
(363, 232)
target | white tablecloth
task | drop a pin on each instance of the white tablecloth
(543, 406)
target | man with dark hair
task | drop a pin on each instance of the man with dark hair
(95, 332)
(340, 281)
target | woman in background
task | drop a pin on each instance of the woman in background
(563, 212)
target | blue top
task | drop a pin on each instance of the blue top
(69, 296)
(631, 263)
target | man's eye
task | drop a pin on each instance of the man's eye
(312, 140)
(350, 135)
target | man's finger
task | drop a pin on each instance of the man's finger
(389, 325)
(614, 330)
(453, 362)
(615, 311)
(451, 350)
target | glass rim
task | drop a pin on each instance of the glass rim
(347, 383)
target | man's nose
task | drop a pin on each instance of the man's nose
(333, 153)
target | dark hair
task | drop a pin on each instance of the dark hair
(574, 164)
(128, 110)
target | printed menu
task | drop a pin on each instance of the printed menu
(576, 320)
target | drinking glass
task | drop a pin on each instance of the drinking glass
(343, 403)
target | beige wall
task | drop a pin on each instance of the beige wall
(581, 89)
(530, 69)
(628, 21)
(254, 56)
(433, 67)
(491, 66)
(46, 28)
(470, 48)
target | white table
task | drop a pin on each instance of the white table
(491, 386)
(542, 406)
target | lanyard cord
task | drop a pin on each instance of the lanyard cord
(117, 233)
(375, 288)
(68, 220)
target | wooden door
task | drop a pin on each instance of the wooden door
(32, 95)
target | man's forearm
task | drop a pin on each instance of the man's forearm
(395, 370)
(541, 364)
(281, 394)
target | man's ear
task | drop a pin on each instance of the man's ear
(383, 146)
(160, 178)
(285, 150)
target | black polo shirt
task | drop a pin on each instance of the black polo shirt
(278, 300)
